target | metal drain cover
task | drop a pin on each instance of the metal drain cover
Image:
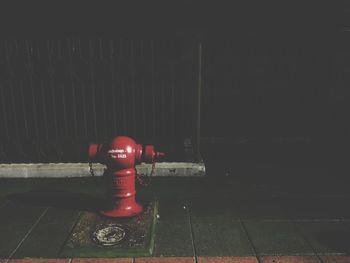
(109, 235)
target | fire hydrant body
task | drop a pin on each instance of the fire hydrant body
(121, 155)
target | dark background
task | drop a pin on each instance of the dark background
(75, 73)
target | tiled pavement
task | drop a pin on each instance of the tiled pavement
(201, 220)
(233, 259)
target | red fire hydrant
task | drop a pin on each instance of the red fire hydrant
(120, 156)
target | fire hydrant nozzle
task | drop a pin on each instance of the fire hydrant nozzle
(151, 155)
(93, 150)
(120, 156)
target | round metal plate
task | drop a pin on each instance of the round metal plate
(109, 235)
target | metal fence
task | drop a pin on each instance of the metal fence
(57, 95)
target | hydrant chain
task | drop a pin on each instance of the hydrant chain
(91, 170)
(145, 180)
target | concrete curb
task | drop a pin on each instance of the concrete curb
(59, 170)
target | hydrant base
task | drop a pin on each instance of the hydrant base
(127, 211)
(135, 237)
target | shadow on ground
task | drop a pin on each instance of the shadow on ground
(60, 199)
(338, 241)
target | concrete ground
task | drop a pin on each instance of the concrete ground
(244, 210)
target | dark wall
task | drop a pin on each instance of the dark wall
(278, 69)
(276, 85)
(269, 70)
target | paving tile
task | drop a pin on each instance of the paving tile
(327, 237)
(289, 259)
(60, 198)
(173, 238)
(335, 259)
(329, 207)
(47, 237)
(220, 237)
(40, 260)
(277, 238)
(334, 206)
(15, 222)
(173, 232)
(293, 208)
(173, 210)
(209, 207)
(184, 188)
(173, 188)
(227, 260)
(102, 260)
(165, 260)
(256, 207)
(75, 185)
(19, 213)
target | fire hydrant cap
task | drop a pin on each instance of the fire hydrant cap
(93, 149)
(149, 153)
(138, 153)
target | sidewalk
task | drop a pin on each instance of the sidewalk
(211, 219)
(263, 259)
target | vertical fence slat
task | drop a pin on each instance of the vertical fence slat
(113, 85)
(153, 127)
(4, 112)
(54, 94)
